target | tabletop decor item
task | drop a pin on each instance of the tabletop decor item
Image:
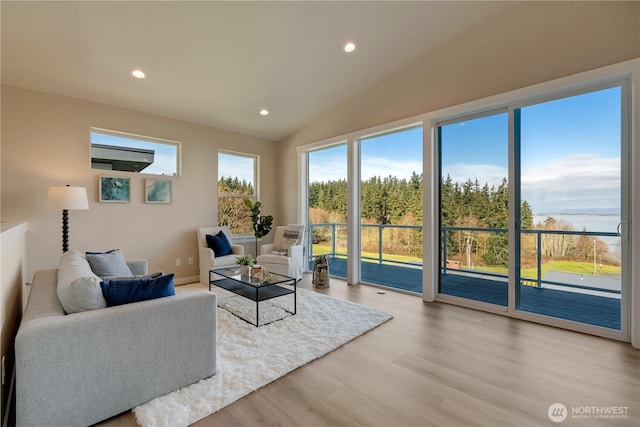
(245, 262)
(256, 273)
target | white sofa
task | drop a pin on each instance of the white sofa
(208, 259)
(81, 368)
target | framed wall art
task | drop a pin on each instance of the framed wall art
(157, 191)
(114, 189)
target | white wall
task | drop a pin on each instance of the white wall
(45, 142)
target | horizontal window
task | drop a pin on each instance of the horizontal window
(117, 151)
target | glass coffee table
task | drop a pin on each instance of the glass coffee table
(272, 286)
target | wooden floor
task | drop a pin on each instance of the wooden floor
(435, 364)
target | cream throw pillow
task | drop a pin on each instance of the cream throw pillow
(292, 236)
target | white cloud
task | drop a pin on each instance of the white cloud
(335, 168)
(382, 167)
(489, 174)
(328, 170)
(581, 181)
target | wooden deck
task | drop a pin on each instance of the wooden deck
(578, 307)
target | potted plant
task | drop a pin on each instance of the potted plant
(261, 224)
(245, 262)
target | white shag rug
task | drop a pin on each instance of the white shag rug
(249, 358)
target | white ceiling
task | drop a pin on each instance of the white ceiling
(219, 63)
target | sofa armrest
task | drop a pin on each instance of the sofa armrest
(138, 267)
(43, 298)
(81, 368)
(296, 253)
(206, 257)
(207, 260)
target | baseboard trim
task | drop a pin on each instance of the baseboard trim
(186, 280)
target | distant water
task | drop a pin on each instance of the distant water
(589, 222)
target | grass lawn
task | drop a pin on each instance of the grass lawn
(577, 267)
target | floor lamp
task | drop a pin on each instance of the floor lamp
(67, 198)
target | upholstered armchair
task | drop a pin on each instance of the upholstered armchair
(286, 254)
(208, 258)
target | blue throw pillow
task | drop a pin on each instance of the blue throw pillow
(219, 244)
(118, 292)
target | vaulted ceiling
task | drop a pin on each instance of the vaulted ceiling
(220, 63)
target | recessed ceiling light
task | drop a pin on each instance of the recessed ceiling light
(349, 47)
(264, 112)
(139, 74)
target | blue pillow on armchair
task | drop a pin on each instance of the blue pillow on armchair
(219, 244)
(125, 291)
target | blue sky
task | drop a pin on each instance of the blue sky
(164, 157)
(476, 148)
(397, 154)
(230, 165)
(570, 153)
(588, 123)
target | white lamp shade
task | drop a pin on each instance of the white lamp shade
(72, 198)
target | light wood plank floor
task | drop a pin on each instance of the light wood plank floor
(442, 365)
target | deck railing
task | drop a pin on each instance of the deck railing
(380, 258)
(536, 281)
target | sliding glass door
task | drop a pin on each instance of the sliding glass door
(391, 209)
(556, 166)
(474, 250)
(571, 178)
(386, 233)
(327, 191)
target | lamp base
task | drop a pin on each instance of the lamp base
(65, 230)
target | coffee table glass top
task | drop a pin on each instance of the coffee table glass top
(269, 278)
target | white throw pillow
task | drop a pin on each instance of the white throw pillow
(109, 264)
(78, 287)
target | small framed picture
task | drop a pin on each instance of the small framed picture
(113, 189)
(157, 191)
